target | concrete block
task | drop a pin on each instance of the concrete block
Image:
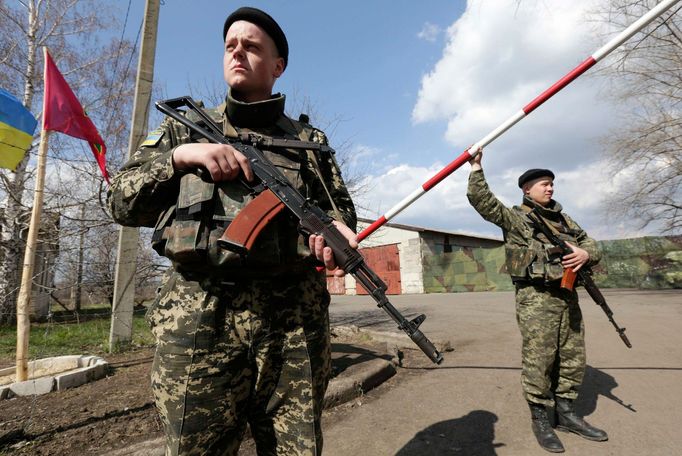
(50, 366)
(36, 386)
(357, 380)
(95, 368)
(71, 379)
(71, 371)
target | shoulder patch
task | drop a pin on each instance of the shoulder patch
(153, 138)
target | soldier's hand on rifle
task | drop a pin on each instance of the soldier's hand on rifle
(576, 259)
(325, 254)
(223, 162)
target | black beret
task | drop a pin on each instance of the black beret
(264, 21)
(534, 174)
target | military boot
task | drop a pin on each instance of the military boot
(568, 420)
(543, 429)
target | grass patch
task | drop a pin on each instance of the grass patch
(89, 337)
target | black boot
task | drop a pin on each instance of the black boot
(542, 429)
(567, 420)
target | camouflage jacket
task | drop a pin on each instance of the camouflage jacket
(147, 190)
(529, 255)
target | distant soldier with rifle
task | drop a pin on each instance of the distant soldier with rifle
(239, 338)
(548, 315)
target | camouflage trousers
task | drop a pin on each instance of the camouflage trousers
(553, 343)
(256, 353)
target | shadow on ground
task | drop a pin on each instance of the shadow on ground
(597, 383)
(346, 355)
(472, 435)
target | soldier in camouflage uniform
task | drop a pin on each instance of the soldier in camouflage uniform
(549, 317)
(239, 340)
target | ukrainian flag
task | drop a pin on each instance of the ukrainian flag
(17, 125)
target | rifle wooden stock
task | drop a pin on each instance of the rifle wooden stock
(243, 231)
(568, 279)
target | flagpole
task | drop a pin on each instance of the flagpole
(24, 299)
(511, 121)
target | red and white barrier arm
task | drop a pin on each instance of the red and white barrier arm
(510, 122)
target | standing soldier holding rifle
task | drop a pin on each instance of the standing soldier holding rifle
(239, 338)
(549, 316)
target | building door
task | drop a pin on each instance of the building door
(385, 262)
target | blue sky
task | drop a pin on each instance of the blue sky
(414, 83)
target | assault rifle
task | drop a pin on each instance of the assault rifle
(274, 193)
(584, 274)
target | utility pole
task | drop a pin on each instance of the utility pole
(124, 283)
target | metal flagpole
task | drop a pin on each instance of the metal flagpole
(511, 121)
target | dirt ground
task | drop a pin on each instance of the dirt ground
(96, 416)
(472, 402)
(118, 411)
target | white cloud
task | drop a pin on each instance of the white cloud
(498, 57)
(500, 54)
(429, 32)
(361, 153)
(581, 192)
(444, 207)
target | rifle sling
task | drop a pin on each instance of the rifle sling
(286, 124)
(293, 128)
(550, 225)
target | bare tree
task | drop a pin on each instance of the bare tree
(100, 73)
(354, 177)
(646, 149)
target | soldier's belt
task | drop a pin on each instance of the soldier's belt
(231, 277)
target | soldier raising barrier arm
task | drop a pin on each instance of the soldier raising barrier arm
(549, 316)
(241, 339)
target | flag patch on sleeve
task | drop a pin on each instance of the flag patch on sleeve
(153, 138)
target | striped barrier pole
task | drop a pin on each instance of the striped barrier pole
(511, 121)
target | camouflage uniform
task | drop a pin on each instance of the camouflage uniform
(237, 341)
(549, 317)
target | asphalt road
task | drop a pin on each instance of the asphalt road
(472, 404)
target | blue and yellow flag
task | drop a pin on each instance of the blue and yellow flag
(17, 125)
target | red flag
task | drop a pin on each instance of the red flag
(63, 112)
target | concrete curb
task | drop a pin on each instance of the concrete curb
(392, 339)
(357, 380)
(54, 374)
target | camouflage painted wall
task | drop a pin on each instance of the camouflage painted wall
(451, 267)
(648, 262)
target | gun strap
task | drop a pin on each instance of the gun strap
(548, 224)
(305, 134)
(268, 142)
(292, 127)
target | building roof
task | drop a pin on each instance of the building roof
(420, 229)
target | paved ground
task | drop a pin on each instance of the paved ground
(472, 403)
